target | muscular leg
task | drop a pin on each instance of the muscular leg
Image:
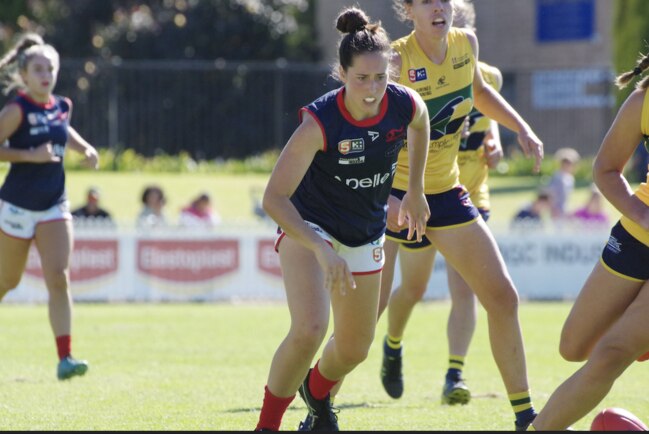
(13, 259)
(308, 304)
(416, 268)
(462, 318)
(624, 340)
(473, 252)
(390, 250)
(54, 243)
(605, 297)
(355, 317)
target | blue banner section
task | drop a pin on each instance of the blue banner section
(564, 20)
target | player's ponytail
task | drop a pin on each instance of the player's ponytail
(625, 78)
(16, 60)
(361, 36)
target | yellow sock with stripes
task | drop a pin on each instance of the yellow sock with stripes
(455, 362)
(523, 409)
(455, 366)
(392, 346)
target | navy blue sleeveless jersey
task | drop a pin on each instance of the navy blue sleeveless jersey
(38, 186)
(346, 188)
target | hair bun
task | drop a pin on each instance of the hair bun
(352, 20)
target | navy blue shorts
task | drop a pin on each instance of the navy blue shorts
(448, 209)
(625, 256)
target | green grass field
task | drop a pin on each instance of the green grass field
(204, 366)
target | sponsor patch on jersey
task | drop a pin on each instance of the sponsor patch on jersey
(415, 75)
(351, 146)
(459, 62)
(35, 131)
(350, 161)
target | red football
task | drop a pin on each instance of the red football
(617, 419)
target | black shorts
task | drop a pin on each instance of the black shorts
(625, 256)
(449, 209)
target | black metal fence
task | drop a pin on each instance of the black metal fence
(221, 110)
(208, 109)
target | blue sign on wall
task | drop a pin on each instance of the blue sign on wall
(564, 20)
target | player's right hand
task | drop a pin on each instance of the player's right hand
(337, 276)
(43, 154)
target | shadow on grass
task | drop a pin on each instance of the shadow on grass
(487, 395)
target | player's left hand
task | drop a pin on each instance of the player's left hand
(493, 153)
(91, 158)
(414, 210)
(532, 146)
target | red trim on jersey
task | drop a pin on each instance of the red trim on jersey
(45, 105)
(322, 130)
(369, 122)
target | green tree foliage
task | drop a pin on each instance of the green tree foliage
(630, 37)
(168, 29)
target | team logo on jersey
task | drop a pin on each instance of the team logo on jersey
(395, 134)
(415, 75)
(351, 146)
(373, 134)
(444, 122)
(32, 119)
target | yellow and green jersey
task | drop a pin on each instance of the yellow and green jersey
(474, 171)
(447, 89)
(642, 192)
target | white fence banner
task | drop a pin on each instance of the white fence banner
(232, 264)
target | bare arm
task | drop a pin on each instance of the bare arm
(495, 107)
(79, 144)
(493, 147)
(291, 166)
(616, 149)
(414, 207)
(10, 118)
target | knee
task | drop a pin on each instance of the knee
(7, 283)
(574, 346)
(571, 352)
(609, 359)
(503, 302)
(308, 337)
(413, 292)
(57, 280)
(352, 354)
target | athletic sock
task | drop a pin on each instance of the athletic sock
(523, 409)
(319, 386)
(392, 347)
(63, 345)
(272, 411)
(455, 366)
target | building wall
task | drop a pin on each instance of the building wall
(563, 89)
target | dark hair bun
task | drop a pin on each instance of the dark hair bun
(352, 20)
